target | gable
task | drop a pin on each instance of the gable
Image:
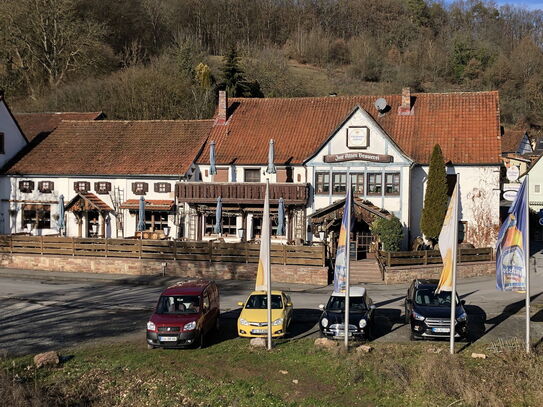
(13, 138)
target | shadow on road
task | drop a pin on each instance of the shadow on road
(509, 310)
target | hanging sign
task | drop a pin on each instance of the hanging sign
(513, 173)
(361, 156)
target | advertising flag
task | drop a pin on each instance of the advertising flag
(512, 244)
(262, 277)
(448, 241)
(340, 271)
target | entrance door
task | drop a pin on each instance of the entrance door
(363, 245)
(93, 224)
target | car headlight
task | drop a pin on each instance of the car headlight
(463, 317)
(363, 323)
(151, 326)
(324, 322)
(190, 326)
(418, 317)
(243, 321)
(278, 321)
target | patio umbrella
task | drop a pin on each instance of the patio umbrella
(212, 168)
(271, 157)
(281, 218)
(218, 215)
(60, 221)
(141, 221)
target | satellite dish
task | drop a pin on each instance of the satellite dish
(381, 105)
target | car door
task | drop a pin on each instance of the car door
(206, 314)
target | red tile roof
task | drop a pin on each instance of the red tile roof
(104, 147)
(150, 204)
(466, 125)
(93, 199)
(34, 124)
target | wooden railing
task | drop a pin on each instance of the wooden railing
(161, 249)
(425, 257)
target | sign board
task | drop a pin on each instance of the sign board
(510, 195)
(358, 137)
(513, 173)
(360, 156)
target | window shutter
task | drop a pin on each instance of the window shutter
(76, 186)
(168, 187)
(145, 187)
(134, 187)
(157, 186)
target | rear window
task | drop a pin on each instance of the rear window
(260, 301)
(178, 304)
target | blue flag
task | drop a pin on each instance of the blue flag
(511, 267)
(340, 271)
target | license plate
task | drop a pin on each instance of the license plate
(260, 331)
(342, 334)
(441, 330)
(167, 339)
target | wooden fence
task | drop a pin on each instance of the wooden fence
(161, 249)
(425, 257)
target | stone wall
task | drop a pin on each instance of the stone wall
(406, 274)
(201, 269)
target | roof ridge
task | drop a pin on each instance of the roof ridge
(138, 121)
(94, 112)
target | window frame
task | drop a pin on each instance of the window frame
(78, 184)
(322, 187)
(254, 171)
(359, 187)
(342, 185)
(40, 218)
(395, 185)
(26, 186)
(369, 183)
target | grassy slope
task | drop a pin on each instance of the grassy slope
(231, 374)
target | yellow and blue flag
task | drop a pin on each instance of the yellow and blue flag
(511, 267)
(340, 271)
(448, 241)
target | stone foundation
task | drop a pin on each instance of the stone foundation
(406, 274)
(201, 269)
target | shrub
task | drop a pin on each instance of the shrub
(389, 231)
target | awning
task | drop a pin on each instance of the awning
(85, 201)
(150, 205)
(362, 210)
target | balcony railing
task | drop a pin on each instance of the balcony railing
(241, 193)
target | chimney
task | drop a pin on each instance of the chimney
(223, 106)
(405, 108)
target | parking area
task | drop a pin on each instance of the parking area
(39, 314)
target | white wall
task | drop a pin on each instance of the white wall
(14, 141)
(536, 179)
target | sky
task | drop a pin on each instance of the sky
(528, 4)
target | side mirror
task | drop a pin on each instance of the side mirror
(321, 307)
(462, 302)
(240, 304)
(289, 304)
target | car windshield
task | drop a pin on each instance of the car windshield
(177, 304)
(356, 304)
(260, 301)
(428, 297)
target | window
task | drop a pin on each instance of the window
(26, 186)
(81, 186)
(257, 227)
(2, 147)
(537, 188)
(392, 183)
(39, 216)
(163, 187)
(229, 225)
(357, 183)
(339, 185)
(102, 187)
(140, 188)
(251, 175)
(155, 220)
(46, 187)
(323, 182)
(375, 184)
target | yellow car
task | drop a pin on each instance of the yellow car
(253, 320)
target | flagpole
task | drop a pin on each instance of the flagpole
(454, 249)
(348, 263)
(527, 254)
(266, 221)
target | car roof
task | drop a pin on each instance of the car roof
(353, 292)
(260, 292)
(191, 287)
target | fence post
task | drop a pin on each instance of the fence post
(284, 254)
(323, 253)
(41, 245)
(141, 246)
(73, 246)
(388, 259)
(246, 252)
(425, 257)
(11, 244)
(459, 260)
(174, 242)
(210, 247)
(107, 247)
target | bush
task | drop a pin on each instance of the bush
(389, 231)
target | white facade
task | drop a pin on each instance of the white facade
(12, 138)
(535, 193)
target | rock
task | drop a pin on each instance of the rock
(478, 356)
(363, 349)
(283, 371)
(258, 343)
(295, 381)
(46, 359)
(325, 343)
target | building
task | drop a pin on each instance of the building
(382, 144)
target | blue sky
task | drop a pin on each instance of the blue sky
(529, 4)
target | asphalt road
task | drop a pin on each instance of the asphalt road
(39, 314)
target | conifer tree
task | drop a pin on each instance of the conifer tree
(436, 199)
(234, 80)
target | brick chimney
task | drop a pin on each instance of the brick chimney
(405, 108)
(222, 108)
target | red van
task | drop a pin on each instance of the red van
(185, 313)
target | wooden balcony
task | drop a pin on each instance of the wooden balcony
(241, 193)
